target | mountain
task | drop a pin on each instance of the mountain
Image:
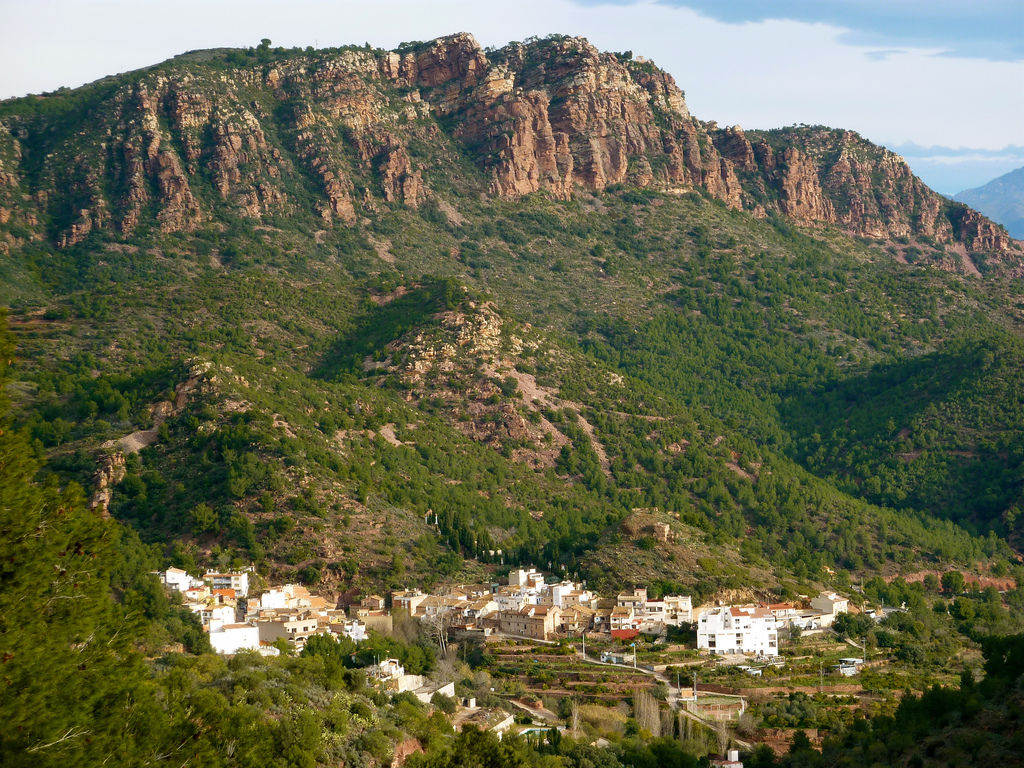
(371, 317)
(204, 135)
(1002, 199)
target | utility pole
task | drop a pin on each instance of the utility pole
(584, 635)
(634, 655)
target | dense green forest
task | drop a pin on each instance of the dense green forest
(82, 616)
(768, 367)
(343, 358)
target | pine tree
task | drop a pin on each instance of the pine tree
(68, 674)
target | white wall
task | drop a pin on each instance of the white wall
(235, 639)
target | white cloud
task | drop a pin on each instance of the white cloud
(974, 159)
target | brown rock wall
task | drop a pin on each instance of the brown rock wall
(552, 115)
(800, 194)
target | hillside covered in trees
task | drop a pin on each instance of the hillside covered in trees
(367, 319)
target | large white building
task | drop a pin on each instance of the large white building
(232, 638)
(215, 616)
(290, 597)
(738, 629)
(565, 594)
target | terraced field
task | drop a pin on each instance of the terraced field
(543, 670)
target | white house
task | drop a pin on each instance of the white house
(624, 618)
(654, 611)
(513, 598)
(295, 629)
(829, 605)
(389, 669)
(637, 599)
(438, 606)
(426, 691)
(849, 667)
(738, 629)
(197, 593)
(480, 607)
(290, 597)
(272, 599)
(731, 760)
(808, 619)
(238, 581)
(830, 602)
(352, 629)
(678, 609)
(652, 614)
(407, 600)
(565, 594)
(783, 611)
(215, 616)
(232, 638)
(527, 579)
(176, 579)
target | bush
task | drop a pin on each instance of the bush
(444, 703)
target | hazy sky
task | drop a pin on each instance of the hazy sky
(910, 74)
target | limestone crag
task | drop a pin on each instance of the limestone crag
(800, 194)
(559, 115)
(355, 129)
(399, 181)
(978, 233)
(151, 165)
(733, 145)
(111, 471)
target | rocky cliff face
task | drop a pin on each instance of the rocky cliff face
(836, 177)
(12, 217)
(187, 143)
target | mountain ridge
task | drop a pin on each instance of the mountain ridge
(187, 139)
(1002, 199)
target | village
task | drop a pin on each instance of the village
(528, 606)
(550, 641)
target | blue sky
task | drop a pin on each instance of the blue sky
(985, 29)
(947, 77)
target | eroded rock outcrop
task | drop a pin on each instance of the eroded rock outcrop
(111, 471)
(559, 115)
(358, 127)
(399, 181)
(800, 194)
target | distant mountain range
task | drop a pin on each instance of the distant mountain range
(1001, 199)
